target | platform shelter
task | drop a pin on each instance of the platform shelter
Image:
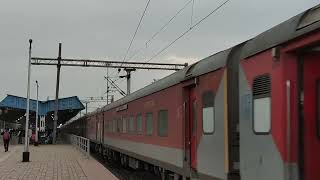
(13, 109)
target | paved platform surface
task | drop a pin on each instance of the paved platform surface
(51, 162)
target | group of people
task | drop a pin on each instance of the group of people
(45, 138)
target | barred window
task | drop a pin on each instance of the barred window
(149, 123)
(114, 129)
(106, 125)
(139, 123)
(163, 123)
(124, 125)
(131, 125)
(119, 125)
(110, 126)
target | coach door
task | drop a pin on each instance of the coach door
(311, 116)
(193, 127)
(99, 128)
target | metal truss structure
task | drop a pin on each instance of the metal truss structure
(106, 64)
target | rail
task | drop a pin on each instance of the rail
(83, 144)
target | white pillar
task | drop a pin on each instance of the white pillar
(37, 114)
(25, 155)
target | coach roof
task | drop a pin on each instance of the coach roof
(303, 23)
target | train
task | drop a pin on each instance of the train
(251, 112)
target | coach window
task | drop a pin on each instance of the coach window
(149, 123)
(139, 123)
(114, 129)
(119, 121)
(107, 125)
(208, 120)
(110, 126)
(124, 125)
(114, 125)
(131, 125)
(163, 123)
(262, 104)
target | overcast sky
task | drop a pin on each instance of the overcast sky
(103, 29)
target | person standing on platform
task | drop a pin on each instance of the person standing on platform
(6, 139)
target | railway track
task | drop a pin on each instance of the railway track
(124, 173)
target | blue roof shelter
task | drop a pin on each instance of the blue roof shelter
(13, 108)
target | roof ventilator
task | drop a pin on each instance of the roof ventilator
(311, 17)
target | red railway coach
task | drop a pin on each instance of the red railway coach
(250, 112)
(279, 101)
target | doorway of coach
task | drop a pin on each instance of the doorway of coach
(189, 100)
(309, 113)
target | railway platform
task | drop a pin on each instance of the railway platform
(51, 162)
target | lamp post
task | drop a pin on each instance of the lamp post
(26, 153)
(37, 115)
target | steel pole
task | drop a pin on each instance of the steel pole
(55, 121)
(129, 70)
(26, 153)
(37, 115)
(128, 82)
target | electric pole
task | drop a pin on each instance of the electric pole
(56, 109)
(129, 70)
(26, 153)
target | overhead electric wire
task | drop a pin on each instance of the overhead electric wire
(161, 29)
(187, 31)
(191, 28)
(167, 23)
(136, 31)
(192, 8)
